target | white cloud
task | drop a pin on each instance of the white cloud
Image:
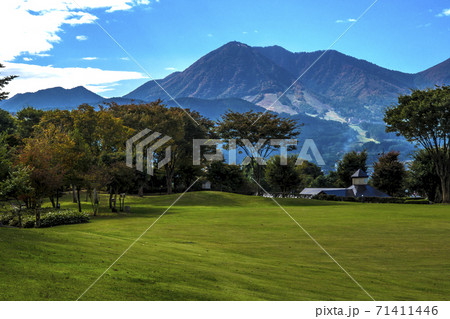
(125, 59)
(33, 26)
(90, 58)
(444, 13)
(244, 32)
(27, 59)
(346, 21)
(35, 77)
(81, 37)
(170, 69)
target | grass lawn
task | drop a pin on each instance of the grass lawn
(220, 246)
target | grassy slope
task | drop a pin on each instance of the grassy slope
(216, 246)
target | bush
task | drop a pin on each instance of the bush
(28, 221)
(63, 217)
(417, 201)
(5, 218)
(14, 222)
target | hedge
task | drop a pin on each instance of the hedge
(48, 219)
(386, 200)
(63, 217)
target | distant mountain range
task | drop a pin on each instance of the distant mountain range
(339, 98)
(337, 86)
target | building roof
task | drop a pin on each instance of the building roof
(360, 174)
(366, 191)
(315, 191)
(352, 191)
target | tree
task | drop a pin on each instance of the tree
(173, 122)
(7, 124)
(348, 165)
(3, 82)
(423, 118)
(268, 128)
(422, 177)
(27, 119)
(17, 187)
(284, 178)
(389, 174)
(43, 155)
(5, 158)
(224, 177)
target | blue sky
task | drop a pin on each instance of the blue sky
(59, 43)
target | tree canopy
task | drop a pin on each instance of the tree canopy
(423, 117)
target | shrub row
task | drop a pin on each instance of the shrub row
(48, 219)
(386, 200)
(64, 217)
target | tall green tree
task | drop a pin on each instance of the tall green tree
(27, 119)
(17, 187)
(3, 82)
(284, 178)
(423, 118)
(7, 124)
(260, 129)
(389, 174)
(422, 177)
(349, 164)
(224, 177)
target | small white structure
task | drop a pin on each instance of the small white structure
(206, 185)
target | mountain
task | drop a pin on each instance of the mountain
(213, 109)
(438, 74)
(332, 85)
(233, 70)
(345, 83)
(57, 97)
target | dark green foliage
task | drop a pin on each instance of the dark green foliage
(423, 117)
(224, 177)
(3, 82)
(7, 124)
(27, 118)
(417, 201)
(28, 221)
(282, 176)
(389, 174)
(422, 177)
(64, 217)
(49, 218)
(348, 165)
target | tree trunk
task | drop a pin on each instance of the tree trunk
(95, 202)
(74, 197)
(169, 184)
(445, 184)
(110, 197)
(141, 191)
(78, 198)
(38, 217)
(52, 200)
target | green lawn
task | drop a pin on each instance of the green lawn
(220, 246)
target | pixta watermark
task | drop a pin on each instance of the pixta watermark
(144, 145)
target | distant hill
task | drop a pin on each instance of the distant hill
(57, 97)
